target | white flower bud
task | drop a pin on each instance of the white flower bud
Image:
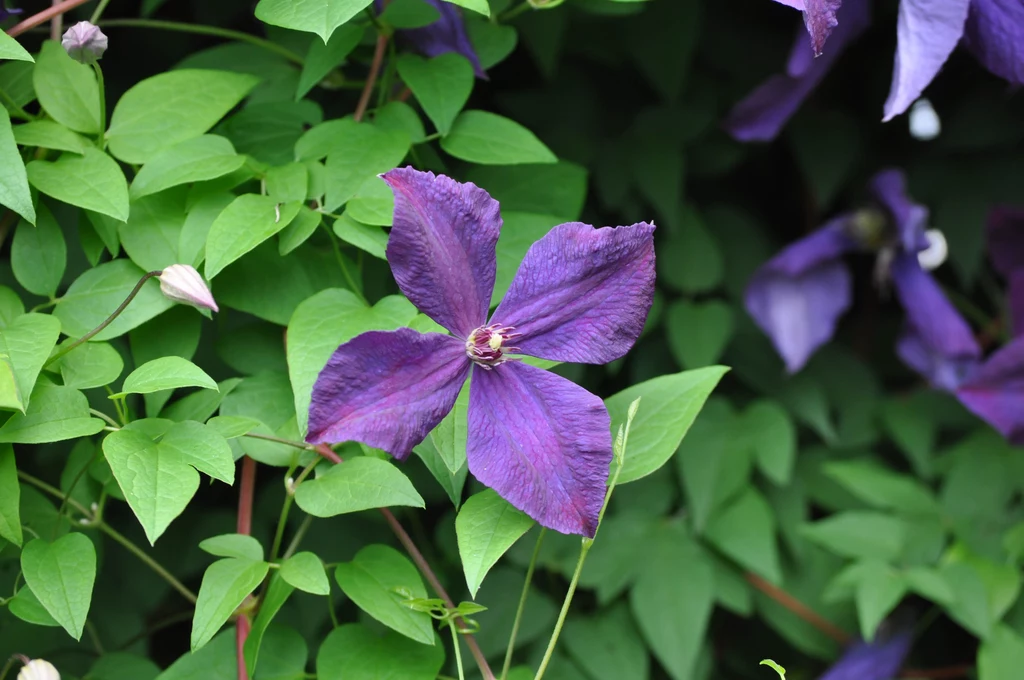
(924, 121)
(84, 42)
(935, 254)
(37, 669)
(182, 283)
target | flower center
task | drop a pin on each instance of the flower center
(486, 346)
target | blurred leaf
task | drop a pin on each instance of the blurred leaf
(486, 526)
(745, 531)
(698, 331)
(123, 666)
(690, 261)
(215, 661)
(859, 534)
(773, 437)
(61, 575)
(351, 652)
(10, 497)
(883, 488)
(1001, 655)
(607, 646)
(12, 49)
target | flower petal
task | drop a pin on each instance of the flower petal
(798, 296)
(942, 372)
(442, 247)
(930, 313)
(387, 389)
(996, 391)
(1016, 296)
(926, 33)
(763, 113)
(1005, 232)
(582, 294)
(995, 35)
(542, 442)
(820, 19)
(878, 660)
(911, 219)
(447, 34)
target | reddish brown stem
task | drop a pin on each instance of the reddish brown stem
(424, 567)
(371, 79)
(44, 16)
(246, 490)
(800, 609)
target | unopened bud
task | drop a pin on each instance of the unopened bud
(84, 42)
(182, 283)
(37, 669)
(935, 254)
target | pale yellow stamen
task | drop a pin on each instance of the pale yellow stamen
(495, 341)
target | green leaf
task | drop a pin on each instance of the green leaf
(322, 58)
(92, 364)
(166, 373)
(882, 488)
(287, 182)
(607, 645)
(879, 589)
(276, 595)
(451, 482)
(170, 108)
(772, 435)
(12, 49)
(61, 574)
(305, 571)
(449, 437)
(10, 497)
(371, 580)
(745, 531)
(67, 90)
(698, 332)
(225, 585)
(54, 414)
(487, 526)
(358, 484)
(690, 261)
(373, 240)
(14, 192)
(50, 135)
(518, 233)
(39, 254)
(215, 661)
(241, 546)
(407, 14)
(929, 583)
(26, 606)
(313, 16)
(442, 85)
(557, 189)
(492, 41)
(299, 230)
(670, 404)
(153, 231)
(373, 204)
(25, 345)
(351, 652)
(489, 139)
(92, 181)
(326, 320)
(123, 666)
(674, 570)
(158, 479)
(1001, 655)
(859, 535)
(193, 160)
(357, 152)
(249, 221)
(480, 6)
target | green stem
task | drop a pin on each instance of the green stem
(6, 668)
(278, 440)
(289, 498)
(103, 102)
(112, 533)
(515, 11)
(200, 29)
(95, 18)
(522, 605)
(13, 106)
(297, 539)
(356, 289)
(104, 416)
(458, 652)
(106, 322)
(584, 549)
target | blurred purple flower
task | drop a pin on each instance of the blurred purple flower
(798, 296)
(447, 34)
(8, 13)
(1005, 231)
(581, 294)
(878, 660)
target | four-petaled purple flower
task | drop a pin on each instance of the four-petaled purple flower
(581, 294)
(447, 34)
(798, 296)
(880, 659)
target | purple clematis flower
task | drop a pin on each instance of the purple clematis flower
(877, 660)
(447, 34)
(1005, 229)
(798, 296)
(8, 13)
(581, 294)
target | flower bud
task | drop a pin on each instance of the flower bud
(182, 283)
(37, 669)
(84, 42)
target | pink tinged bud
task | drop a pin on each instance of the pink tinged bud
(182, 283)
(37, 669)
(84, 42)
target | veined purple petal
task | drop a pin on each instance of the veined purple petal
(995, 36)
(764, 112)
(387, 389)
(890, 189)
(447, 34)
(542, 442)
(942, 372)
(879, 660)
(442, 247)
(995, 393)
(930, 313)
(926, 33)
(1005, 232)
(798, 296)
(582, 294)
(1015, 292)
